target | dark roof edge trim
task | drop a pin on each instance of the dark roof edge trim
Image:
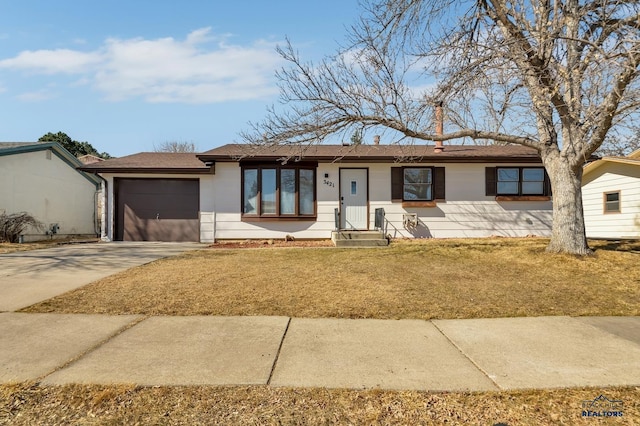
(434, 159)
(147, 170)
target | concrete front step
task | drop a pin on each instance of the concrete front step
(356, 235)
(361, 243)
(359, 239)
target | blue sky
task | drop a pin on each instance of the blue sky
(125, 75)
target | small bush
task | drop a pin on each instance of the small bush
(12, 225)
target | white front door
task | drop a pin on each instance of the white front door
(354, 199)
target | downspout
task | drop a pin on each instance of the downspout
(96, 220)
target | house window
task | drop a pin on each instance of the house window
(271, 191)
(612, 202)
(417, 186)
(517, 181)
(520, 181)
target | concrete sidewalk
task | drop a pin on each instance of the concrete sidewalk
(443, 355)
(33, 276)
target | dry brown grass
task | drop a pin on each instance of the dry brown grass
(411, 279)
(28, 404)
(36, 245)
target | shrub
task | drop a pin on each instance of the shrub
(12, 225)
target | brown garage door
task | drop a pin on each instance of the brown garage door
(157, 209)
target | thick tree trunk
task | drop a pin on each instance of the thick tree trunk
(568, 233)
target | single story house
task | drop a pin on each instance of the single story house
(611, 197)
(246, 192)
(42, 179)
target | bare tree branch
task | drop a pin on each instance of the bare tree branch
(557, 76)
(175, 146)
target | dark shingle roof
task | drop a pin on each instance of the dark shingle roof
(150, 162)
(166, 162)
(380, 153)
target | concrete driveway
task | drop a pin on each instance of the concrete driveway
(33, 276)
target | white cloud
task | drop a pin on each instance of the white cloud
(37, 96)
(201, 69)
(53, 61)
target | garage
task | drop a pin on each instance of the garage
(157, 209)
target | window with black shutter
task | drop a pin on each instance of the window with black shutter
(417, 184)
(520, 182)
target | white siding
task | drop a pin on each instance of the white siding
(43, 185)
(612, 177)
(467, 212)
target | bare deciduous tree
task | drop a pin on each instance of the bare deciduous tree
(553, 75)
(618, 145)
(175, 146)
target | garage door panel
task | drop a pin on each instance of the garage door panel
(158, 210)
(160, 214)
(177, 208)
(161, 202)
(168, 230)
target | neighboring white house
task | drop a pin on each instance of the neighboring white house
(611, 197)
(243, 192)
(41, 179)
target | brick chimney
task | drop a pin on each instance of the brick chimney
(439, 128)
(376, 140)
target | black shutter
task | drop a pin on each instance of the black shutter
(490, 181)
(438, 183)
(547, 184)
(397, 183)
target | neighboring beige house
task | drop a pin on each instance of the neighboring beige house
(90, 159)
(243, 192)
(41, 179)
(611, 197)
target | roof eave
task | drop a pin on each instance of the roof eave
(591, 167)
(378, 159)
(146, 170)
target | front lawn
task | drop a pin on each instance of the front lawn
(476, 278)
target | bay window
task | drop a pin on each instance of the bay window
(273, 191)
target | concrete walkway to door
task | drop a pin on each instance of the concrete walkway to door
(33, 276)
